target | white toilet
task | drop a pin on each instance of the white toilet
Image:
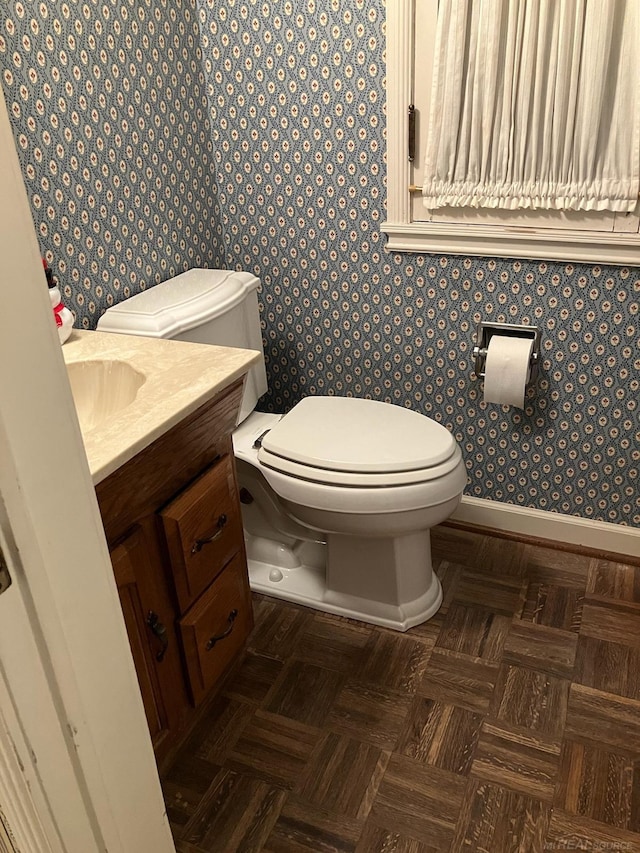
(340, 493)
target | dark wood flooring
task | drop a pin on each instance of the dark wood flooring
(509, 722)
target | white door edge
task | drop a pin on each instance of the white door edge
(64, 651)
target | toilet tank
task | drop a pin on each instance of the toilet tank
(202, 306)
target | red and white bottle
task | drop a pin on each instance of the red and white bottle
(62, 315)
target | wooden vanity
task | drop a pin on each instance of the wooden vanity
(172, 520)
(166, 486)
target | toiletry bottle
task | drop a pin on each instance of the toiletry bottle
(63, 317)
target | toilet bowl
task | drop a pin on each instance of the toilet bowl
(339, 494)
(370, 513)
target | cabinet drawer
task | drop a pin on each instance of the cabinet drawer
(215, 629)
(157, 473)
(203, 529)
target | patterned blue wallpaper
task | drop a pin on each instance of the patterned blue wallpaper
(110, 114)
(274, 162)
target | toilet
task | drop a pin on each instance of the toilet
(339, 494)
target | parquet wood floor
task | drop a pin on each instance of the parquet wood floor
(510, 722)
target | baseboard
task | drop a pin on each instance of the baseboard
(598, 536)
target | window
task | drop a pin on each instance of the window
(556, 235)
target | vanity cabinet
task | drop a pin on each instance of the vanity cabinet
(173, 523)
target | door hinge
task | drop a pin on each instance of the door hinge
(5, 577)
(412, 133)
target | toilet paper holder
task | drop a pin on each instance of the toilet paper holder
(486, 331)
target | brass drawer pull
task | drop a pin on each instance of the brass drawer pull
(159, 631)
(213, 640)
(199, 543)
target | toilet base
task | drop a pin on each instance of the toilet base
(299, 575)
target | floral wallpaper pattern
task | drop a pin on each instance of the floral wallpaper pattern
(158, 136)
(109, 106)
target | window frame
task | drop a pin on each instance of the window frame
(407, 234)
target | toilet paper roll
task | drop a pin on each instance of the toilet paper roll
(507, 370)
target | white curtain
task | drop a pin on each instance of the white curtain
(535, 104)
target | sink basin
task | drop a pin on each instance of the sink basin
(101, 388)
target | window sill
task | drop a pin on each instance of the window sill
(513, 242)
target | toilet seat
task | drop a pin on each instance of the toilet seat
(360, 500)
(326, 476)
(347, 441)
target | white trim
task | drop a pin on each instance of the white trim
(32, 709)
(6, 843)
(449, 238)
(399, 52)
(556, 527)
(20, 818)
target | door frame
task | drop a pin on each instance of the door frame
(72, 710)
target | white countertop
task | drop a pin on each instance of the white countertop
(178, 378)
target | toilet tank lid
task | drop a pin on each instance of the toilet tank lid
(356, 435)
(178, 304)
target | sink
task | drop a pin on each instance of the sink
(102, 388)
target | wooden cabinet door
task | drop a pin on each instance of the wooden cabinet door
(149, 618)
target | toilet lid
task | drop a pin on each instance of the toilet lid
(173, 307)
(360, 436)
